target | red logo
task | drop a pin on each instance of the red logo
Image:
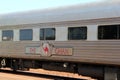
(46, 48)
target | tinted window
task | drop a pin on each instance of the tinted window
(77, 33)
(26, 34)
(109, 32)
(47, 34)
(7, 35)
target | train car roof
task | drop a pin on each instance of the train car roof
(105, 9)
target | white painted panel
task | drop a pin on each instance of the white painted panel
(16, 35)
(61, 33)
(92, 32)
(36, 32)
(0, 35)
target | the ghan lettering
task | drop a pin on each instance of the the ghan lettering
(63, 51)
(32, 50)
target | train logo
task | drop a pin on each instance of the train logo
(46, 49)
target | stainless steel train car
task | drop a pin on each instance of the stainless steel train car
(84, 39)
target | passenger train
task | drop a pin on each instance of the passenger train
(83, 39)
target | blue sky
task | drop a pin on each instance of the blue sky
(9, 6)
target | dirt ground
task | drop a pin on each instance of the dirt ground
(66, 74)
(6, 76)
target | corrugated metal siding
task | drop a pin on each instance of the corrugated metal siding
(83, 51)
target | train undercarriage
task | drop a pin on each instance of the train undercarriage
(101, 72)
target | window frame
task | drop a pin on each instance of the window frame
(116, 32)
(79, 33)
(25, 39)
(45, 35)
(11, 37)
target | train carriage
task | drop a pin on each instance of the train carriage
(83, 39)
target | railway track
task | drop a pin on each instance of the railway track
(46, 76)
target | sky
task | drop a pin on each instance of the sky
(11, 6)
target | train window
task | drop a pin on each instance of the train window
(109, 32)
(26, 34)
(47, 34)
(77, 33)
(7, 35)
